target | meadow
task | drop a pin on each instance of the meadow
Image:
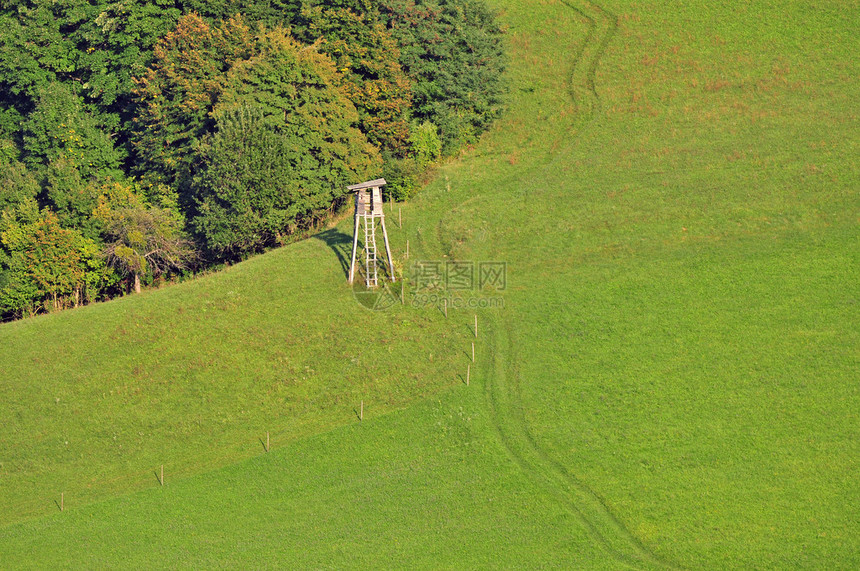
(671, 381)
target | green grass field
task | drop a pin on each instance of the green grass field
(672, 381)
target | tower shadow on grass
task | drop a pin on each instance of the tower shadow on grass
(341, 245)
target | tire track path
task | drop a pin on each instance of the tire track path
(502, 385)
(506, 411)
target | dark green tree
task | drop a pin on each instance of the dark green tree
(17, 184)
(61, 127)
(452, 51)
(70, 153)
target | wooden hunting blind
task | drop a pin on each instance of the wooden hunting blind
(368, 210)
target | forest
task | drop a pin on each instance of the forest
(145, 142)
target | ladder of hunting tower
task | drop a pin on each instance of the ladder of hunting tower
(368, 207)
(370, 277)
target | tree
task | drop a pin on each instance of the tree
(61, 127)
(285, 148)
(365, 52)
(17, 184)
(177, 93)
(45, 264)
(141, 239)
(425, 144)
(67, 42)
(70, 153)
(91, 47)
(452, 51)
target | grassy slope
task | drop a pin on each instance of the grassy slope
(192, 376)
(673, 378)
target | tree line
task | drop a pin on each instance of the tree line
(141, 140)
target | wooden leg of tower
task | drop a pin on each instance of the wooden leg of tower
(354, 243)
(387, 250)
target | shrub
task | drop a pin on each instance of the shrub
(425, 144)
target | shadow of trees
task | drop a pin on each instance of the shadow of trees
(341, 245)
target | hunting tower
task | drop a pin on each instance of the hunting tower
(368, 210)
